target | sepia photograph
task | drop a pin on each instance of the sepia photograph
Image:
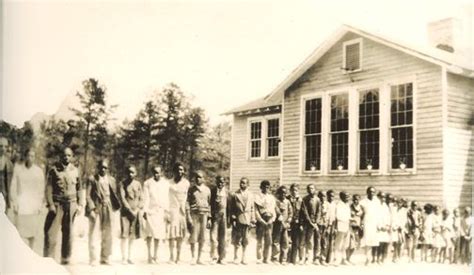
(236, 137)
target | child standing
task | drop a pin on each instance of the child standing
(131, 197)
(448, 237)
(465, 249)
(427, 232)
(280, 227)
(438, 242)
(355, 227)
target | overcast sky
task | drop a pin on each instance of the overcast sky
(224, 53)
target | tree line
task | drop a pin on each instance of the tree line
(167, 129)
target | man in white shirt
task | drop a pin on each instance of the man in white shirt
(343, 216)
(265, 213)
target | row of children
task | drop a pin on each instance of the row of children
(293, 229)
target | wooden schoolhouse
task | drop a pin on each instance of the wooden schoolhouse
(365, 109)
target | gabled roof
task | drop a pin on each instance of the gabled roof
(454, 63)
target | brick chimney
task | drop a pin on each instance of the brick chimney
(446, 34)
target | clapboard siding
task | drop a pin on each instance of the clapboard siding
(458, 177)
(254, 170)
(380, 64)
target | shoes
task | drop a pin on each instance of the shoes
(93, 263)
(315, 262)
(236, 261)
(64, 261)
(275, 262)
(129, 261)
(259, 261)
(323, 263)
(105, 262)
(214, 261)
(221, 262)
(124, 261)
(244, 262)
(199, 262)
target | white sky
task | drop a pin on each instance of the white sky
(225, 53)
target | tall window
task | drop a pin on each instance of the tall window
(401, 122)
(313, 134)
(369, 136)
(273, 137)
(255, 139)
(339, 131)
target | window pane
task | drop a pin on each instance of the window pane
(339, 113)
(273, 127)
(313, 153)
(256, 130)
(369, 149)
(339, 150)
(353, 57)
(255, 148)
(273, 146)
(313, 116)
(402, 147)
(401, 104)
(369, 100)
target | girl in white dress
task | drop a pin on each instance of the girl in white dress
(27, 196)
(156, 196)
(178, 193)
(427, 232)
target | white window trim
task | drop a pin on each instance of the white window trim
(381, 121)
(267, 118)
(349, 132)
(249, 140)
(400, 81)
(302, 159)
(384, 129)
(263, 146)
(344, 46)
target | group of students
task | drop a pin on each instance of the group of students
(290, 228)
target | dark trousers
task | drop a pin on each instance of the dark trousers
(331, 236)
(62, 219)
(264, 241)
(310, 238)
(280, 242)
(218, 237)
(297, 243)
(321, 243)
(101, 223)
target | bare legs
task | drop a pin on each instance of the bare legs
(126, 250)
(153, 259)
(175, 246)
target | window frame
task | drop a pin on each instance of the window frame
(379, 128)
(385, 152)
(264, 137)
(344, 55)
(413, 125)
(329, 132)
(249, 139)
(304, 136)
(277, 137)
